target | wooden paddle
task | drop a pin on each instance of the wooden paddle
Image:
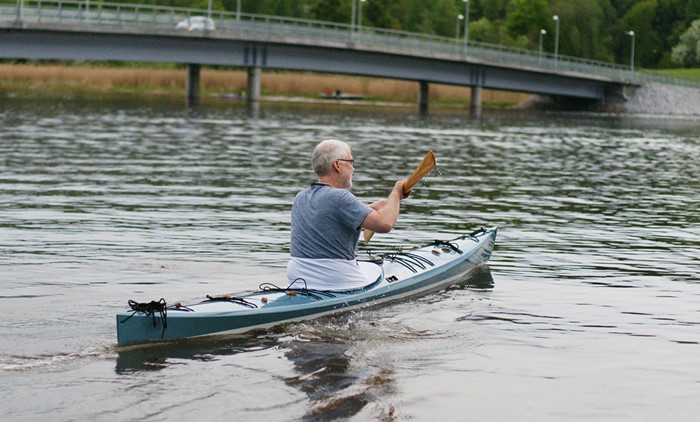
(424, 168)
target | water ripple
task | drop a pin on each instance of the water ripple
(596, 264)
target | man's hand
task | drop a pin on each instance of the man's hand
(398, 188)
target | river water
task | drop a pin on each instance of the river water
(588, 310)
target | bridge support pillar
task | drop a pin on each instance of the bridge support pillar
(475, 105)
(423, 94)
(253, 101)
(192, 84)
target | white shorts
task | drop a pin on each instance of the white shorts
(331, 274)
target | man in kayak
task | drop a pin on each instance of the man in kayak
(327, 221)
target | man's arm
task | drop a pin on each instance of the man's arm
(385, 212)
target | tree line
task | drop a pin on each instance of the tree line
(593, 29)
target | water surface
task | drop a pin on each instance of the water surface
(588, 309)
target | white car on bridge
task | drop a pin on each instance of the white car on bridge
(197, 23)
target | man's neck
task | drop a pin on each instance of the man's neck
(330, 181)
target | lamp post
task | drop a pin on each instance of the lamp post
(542, 34)
(459, 18)
(359, 20)
(631, 34)
(556, 39)
(466, 22)
(353, 17)
(209, 9)
(238, 11)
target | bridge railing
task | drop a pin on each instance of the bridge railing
(278, 28)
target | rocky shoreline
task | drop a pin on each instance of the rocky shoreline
(656, 98)
(649, 99)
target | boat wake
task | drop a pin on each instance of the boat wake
(52, 362)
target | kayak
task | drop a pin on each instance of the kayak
(406, 272)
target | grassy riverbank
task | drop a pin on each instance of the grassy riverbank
(690, 74)
(58, 80)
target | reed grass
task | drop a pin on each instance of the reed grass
(58, 79)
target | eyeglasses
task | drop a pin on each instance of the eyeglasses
(352, 162)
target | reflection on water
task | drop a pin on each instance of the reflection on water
(480, 279)
(322, 365)
(158, 356)
(595, 267)
(335, 389)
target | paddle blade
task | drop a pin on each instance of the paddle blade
(429, 162)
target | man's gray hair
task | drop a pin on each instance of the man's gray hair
(325, 153)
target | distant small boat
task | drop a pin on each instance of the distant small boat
(337, 95)
(232, 96)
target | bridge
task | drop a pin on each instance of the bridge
(79, 30)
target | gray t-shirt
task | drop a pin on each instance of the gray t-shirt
(326, 223)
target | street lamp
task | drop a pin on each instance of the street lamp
(209, 9)
(359, 20)
(631, 34)
(542, 34)
(459, 18)
(238, 11)
(466, 23)
(353, 17)
(556, 39)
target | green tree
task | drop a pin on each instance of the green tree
(382, 14)
(692, 10)
(287, 8)
(438, 17)
(641, 18)
(332, 10)
(527, 17)
(418, 17)
(687, 52)
(494, 32)
(493, 10)
(484, 30)
(585, 28)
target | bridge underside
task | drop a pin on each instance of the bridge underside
(201, 50)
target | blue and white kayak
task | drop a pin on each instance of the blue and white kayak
(407, 272)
